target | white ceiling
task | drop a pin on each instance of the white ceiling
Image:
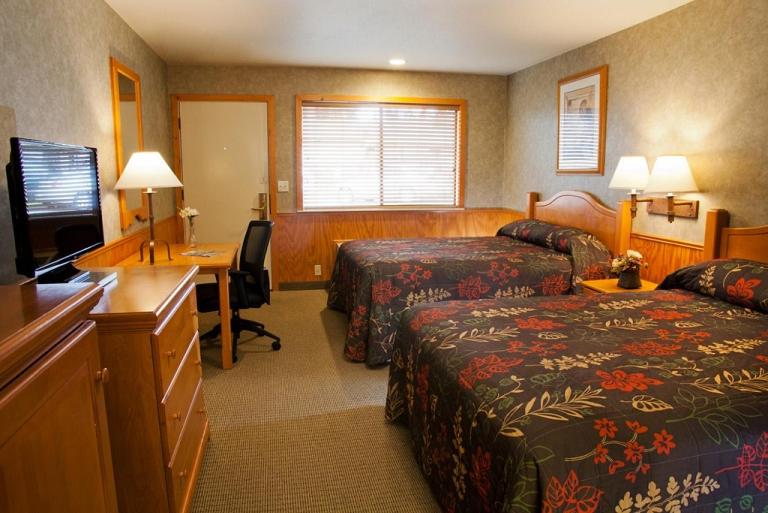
(482, 36)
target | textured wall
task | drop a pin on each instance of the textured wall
(54, 76)
(486, 95)
(692, 81)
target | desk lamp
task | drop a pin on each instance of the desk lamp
(148, 171)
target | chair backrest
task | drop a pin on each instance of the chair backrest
(253, 253)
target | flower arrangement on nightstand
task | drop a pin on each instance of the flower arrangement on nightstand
(627, 267)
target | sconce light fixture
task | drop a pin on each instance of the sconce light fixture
(671, 174)
(631, 173)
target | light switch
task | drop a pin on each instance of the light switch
(282, 186)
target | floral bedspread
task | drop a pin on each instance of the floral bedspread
(626, 403)
(374, 281)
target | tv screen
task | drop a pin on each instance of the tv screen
(55, 204)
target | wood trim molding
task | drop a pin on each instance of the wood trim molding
(668, 241)
(460, 103)
(750, 243)
(120, 249)
(178, 167)
(717, 221)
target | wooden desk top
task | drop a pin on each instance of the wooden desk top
(226, 254)
(33, 317)
(611, 285)
(141, 294)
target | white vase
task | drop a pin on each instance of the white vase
(192, 238)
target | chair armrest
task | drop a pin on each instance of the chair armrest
(237, 278)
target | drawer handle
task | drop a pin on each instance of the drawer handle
(171, 353)
(176, 416)
(193, 311)
(202, 411)
(198, 362)
(182, 475)
(102, 376)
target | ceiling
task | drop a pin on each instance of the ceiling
(480, 36)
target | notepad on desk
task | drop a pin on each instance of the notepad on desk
(201, 253)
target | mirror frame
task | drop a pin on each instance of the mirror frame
(127, 216)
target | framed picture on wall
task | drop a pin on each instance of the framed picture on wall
(581, 105)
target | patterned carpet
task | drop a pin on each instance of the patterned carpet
(302, 429)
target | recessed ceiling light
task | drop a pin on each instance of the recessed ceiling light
(397, 62)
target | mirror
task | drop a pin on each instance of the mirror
(129, 137)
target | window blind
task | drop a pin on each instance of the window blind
(58, 179)
(357, 155)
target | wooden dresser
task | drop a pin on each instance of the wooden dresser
(54, 445)
(148, 337)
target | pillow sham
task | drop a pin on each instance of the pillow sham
(737, 281)
(591, 259)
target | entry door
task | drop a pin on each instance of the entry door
(224, 158)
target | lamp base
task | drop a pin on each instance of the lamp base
(151, 246)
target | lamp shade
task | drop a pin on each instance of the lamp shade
(671, 173)
(631, 173)
(147, 169)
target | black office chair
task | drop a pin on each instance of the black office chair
(249, 287)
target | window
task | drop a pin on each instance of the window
(361, 153)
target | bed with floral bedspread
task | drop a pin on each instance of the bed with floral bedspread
(374, 281)
(627, 403)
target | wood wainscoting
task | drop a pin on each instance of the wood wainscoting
(302, 240)
(664, 255)
(120, 249)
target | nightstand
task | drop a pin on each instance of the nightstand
(610, 286)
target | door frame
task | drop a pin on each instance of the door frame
(176, 100)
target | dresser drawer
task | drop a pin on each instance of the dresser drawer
(171, 339)
(182, 471)
(176, 404)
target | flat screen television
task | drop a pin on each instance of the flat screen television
(55, 205)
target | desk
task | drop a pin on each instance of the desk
(218, 264)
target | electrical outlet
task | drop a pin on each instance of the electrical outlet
(318, 269)
(282, 186)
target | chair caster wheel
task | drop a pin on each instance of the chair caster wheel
(276, 345)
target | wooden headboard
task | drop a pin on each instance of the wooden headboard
(749, 243)
(584, 211)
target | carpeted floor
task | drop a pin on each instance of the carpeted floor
(302, 429)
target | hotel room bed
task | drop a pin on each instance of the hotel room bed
(374, 281)
(629, 403)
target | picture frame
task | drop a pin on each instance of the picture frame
(582, 102)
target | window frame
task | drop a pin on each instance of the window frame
(458, 103)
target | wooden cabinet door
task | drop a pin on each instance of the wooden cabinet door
(54, 443)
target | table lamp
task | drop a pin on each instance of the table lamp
(671, 174)
(631, 173)
(147, 170)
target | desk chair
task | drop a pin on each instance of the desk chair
(249, 287)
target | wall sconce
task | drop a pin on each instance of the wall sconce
(631, 173)
(671, 174)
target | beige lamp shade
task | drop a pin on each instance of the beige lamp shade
(671, 173)
(147, 170)
(631, 173)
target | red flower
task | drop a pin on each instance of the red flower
(431, 315)
(742, 290)
(384, 292)
(666, 315)
(616, 465)
(537, 324)
(762, 358)
(606, 428)
(620, 380)
(636, 427)
(594, 272)
(651, 348)
(413, 277)
(554, 285)
(663, 442)
(633, 452)
(478, 475)
(600, 453)
(572, 303)
(484, 368)
(571, 496)
(473, 287)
